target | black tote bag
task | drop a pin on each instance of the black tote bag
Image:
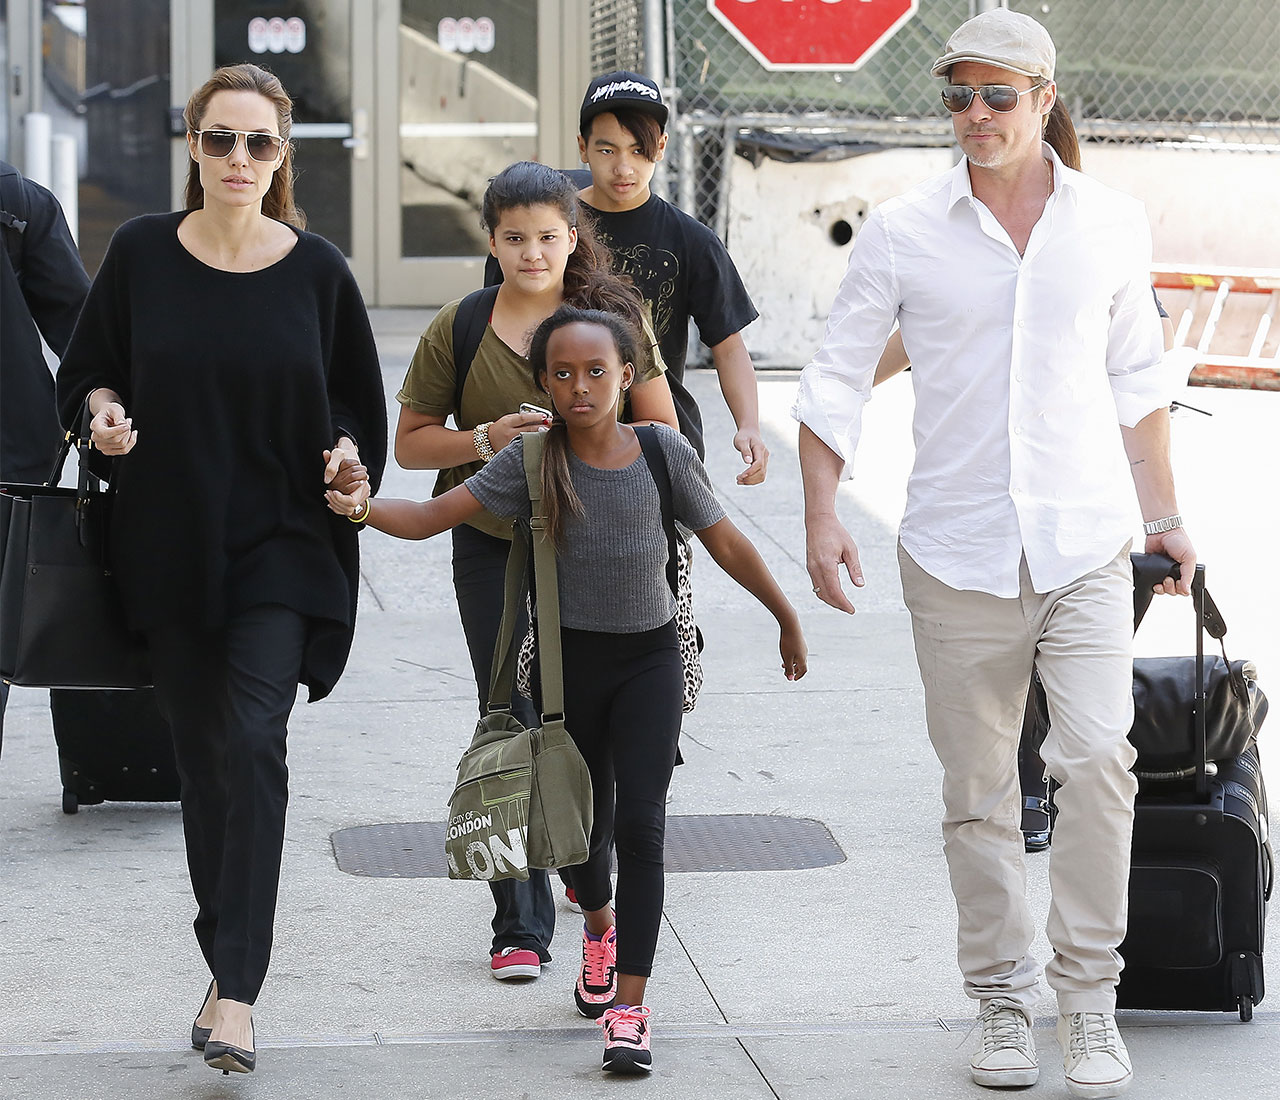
(62, 621)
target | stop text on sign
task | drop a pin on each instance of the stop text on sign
(812, 34)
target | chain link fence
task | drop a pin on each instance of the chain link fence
(1138, 71)
(617, 35)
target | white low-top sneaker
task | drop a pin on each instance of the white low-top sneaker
(1006, 1055)
(1093, 1054)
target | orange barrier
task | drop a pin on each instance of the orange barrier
(1225, 311)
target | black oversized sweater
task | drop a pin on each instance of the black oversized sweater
(236, 383)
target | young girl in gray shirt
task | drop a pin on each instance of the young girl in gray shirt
(623, 674)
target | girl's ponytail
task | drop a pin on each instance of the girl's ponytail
(558, 494)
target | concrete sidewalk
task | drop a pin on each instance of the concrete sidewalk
(836, 982)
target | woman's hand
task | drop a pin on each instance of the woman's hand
(503, 430)
(111, 431)
(345, 504)
(344, 475)
(795, 654)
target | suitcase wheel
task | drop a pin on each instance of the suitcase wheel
(1246, 1009)
(70, 803)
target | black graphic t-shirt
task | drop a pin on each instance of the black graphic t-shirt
(682, 270)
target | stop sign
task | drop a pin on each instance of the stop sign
(813, 34)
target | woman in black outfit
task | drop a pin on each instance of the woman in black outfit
(228, 364)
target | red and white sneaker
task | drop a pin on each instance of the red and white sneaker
(597, 985)
(626, 1039)
(515, 962)
(571, 900)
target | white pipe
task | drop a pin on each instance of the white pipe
(37, 154)
(66, 180)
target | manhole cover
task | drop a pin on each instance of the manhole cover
(697, 842)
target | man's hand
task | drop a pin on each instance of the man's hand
(750, 444)
(1175, 544)
(829, 546)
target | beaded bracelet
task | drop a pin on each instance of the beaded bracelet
(480, 434)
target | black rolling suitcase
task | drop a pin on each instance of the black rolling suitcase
(113, 746)
(1202, 866)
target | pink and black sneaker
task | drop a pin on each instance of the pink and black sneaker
(597, 986)
(626, 1039)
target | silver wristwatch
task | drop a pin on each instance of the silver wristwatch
(1160, 526)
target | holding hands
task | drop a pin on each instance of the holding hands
(347, 480)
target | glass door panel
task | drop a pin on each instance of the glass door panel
(307, 44)
(463, 105)
(106, 82)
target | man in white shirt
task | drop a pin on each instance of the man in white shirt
(1023, 295)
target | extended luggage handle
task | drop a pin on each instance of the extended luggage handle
(1148, 571)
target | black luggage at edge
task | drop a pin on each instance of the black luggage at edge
(1201, 877)
(113, 746)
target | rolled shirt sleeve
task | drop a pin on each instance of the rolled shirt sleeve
(1143, 376)
(836, 384)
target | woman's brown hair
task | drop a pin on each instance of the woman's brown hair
(557, 487)
(278, 201)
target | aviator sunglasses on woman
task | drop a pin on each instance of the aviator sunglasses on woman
(1002, 98)
(220, 143)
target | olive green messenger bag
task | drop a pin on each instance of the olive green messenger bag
(523, 796)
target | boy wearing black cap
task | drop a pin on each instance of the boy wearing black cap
(679, 265)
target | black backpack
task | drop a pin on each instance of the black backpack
(15, 212)
(469, 324)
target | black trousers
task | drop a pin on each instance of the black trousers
(524, 912)
(623, 696)
(227, 695)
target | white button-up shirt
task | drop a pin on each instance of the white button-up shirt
(1024, 369)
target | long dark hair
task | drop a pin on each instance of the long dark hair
(557, 488)
(589, 279)
(1060, 132)
(278, 201)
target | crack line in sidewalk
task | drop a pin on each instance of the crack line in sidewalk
(705, 984)
(767, 1083)
(1204, 1022)
(372, 591)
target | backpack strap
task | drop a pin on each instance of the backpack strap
(656, 460)
(469, 324)
(14, 214)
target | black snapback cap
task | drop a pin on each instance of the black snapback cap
(622, 90)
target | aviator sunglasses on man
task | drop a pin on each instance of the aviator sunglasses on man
(1001, 98)
(220, 143)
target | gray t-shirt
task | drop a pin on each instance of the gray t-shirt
(612, 566)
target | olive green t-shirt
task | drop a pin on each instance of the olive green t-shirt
(500, 379)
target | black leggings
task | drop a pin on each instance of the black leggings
(623, 695)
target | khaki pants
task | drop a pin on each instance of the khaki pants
(976, 653)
